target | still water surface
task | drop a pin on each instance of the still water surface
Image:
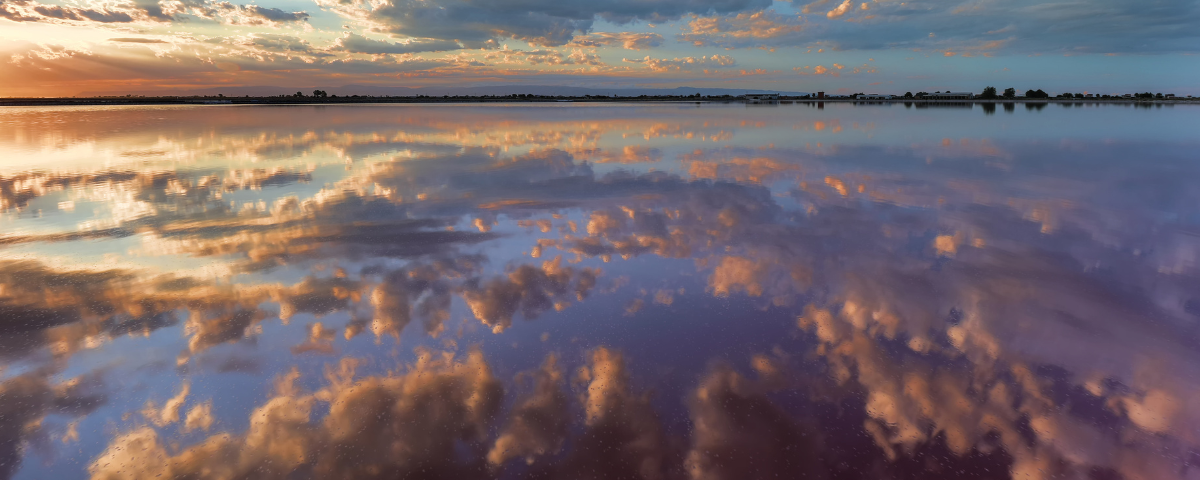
(609, 291)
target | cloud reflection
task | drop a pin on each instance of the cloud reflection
(990, 301)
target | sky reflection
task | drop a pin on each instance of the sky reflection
(618, 291)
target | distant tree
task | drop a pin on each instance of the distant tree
(908, 95)
(1078, 95)
(988, 92)
(1158, 96)
(1010, 93)
(1040, 94)
(298, 94)
(320, 93)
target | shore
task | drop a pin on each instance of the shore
(92, 101)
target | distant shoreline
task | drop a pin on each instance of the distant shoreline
(94, 101)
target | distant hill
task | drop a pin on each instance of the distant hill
(265, 91)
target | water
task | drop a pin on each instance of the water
(652, 291)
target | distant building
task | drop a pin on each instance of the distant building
(820, 95)
(874, 96)
(950, 96)
(762, 97)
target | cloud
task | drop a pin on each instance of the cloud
(528, 290)
(136, 40)
(55, 12)
(254, 15)
(685, 64)
(629, 154)
(420, 291)
(738, 432)
(543, 56)
(148, 12)
(359, 44)
(626, 40)
(623, 437)
(391, 425)
(538, 424)
(275, 14)
(840, 10)
(763, 29)
(282, 44)
(540, 22)
(199, 417)
(1023, 27)
(25, 401)
(169, 412)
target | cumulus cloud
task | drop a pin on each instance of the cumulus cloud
(168, 413)
(528, 290)
(423, 292)
(199, 417)
(392, 425)
(623, 437)
(738, 432)
(538, 424)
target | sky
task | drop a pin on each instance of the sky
(64, 48)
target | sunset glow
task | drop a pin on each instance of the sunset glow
(146, 47)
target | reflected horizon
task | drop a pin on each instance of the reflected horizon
(656, 291)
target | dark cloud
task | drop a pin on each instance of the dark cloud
(543, 22)
(353, 43)
(82, 14)
(738, 432)
(26, 399)
(1028, 26)
(275, 14)
(283, 44)
(136, 11)
(9, 10)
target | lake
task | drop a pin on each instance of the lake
(655, 291)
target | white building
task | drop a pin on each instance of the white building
(950, 96)
(875, 96)
(761, 97)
